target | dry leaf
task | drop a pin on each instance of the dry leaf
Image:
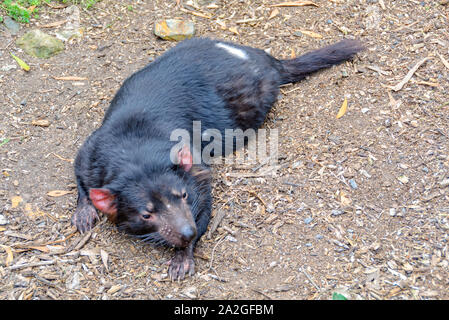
(343, 109)
(104, 258)
(311, 34)
(40, 123)
(58, 193)
(39, 248)
(344, 199)
(274, 13)
(32, 213)
(114, 289)
(15, 201)
(234, 30)
(409, 75)
(9, 255)
(446, 64)
(295, 4)
(292, 54)
(21, 63)
(221, 23)
(404, 179)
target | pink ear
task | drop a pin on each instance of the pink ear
(185, 158)
(103, 200)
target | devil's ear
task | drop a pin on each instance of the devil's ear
(185, 158)
(104, 201)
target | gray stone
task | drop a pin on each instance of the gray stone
(39, 44)
(174, 29)
(3, 220)
(11, 25)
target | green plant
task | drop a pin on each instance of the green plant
(20, 10)
(23, 10)
(87, 4)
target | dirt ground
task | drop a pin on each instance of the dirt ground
(357, 205)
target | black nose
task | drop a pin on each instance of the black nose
(188, 233)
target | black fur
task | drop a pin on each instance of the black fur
(194, 81)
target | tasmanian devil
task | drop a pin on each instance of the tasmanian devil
(124, 168)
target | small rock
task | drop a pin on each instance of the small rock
(190, 292)
(174, 29)
(444, 183)
(308, 220)
(404, 179)
(11, 25)
(319, 237)
(414, 123)
(392, 212)
(352, 183)
(21, 282)
(72, 27)
(365, 173)
(39, 44)
(270, 208)
(231, 238)
(336, 213)
(365, 110)
(8, 67)
(3, 220)
(73, 283)
(205, 2)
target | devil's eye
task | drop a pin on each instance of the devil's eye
(146, 216)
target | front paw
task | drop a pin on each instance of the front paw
(181, 264)
(84, 217)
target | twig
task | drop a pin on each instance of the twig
(248, 20)
(30, 265)
(79, 244)
(295, 4)
(91, 16)
(218, 217)
(310, 279)
(378, 70)
(9, 43)
(262, 293)
(409, 75)
(198, 14)
(257, 196)
(213, 251)
(446, 64)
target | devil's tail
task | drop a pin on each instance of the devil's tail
(297, 69)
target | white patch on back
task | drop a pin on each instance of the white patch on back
(239, 53)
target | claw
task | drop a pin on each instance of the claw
(84, 217)
(181, 264)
